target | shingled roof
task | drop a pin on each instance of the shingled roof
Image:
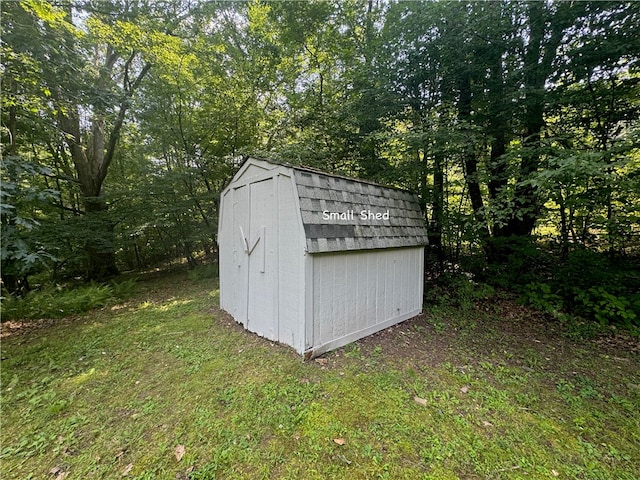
(322, 194)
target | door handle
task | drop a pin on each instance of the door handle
(249, 247)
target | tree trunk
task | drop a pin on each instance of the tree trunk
(497, 129)
(435, 228)
(470, 161)
(99, 248)
(545, 34)
(92, 159)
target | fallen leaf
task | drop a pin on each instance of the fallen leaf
(126, 470)
(420, 401)
(321, 361)
(487, 424)
(62, 475)
(554, 473)
(339, 441)
(179, 452)
(55, 470)
(464, 389)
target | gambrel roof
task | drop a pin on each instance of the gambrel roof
(321, 194)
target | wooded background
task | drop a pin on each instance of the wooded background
(516, 123)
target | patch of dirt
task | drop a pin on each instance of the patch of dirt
(25, 327)
(505, 333)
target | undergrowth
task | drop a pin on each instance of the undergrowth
(582, 286)
(59, 301)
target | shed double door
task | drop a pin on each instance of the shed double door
(257, 279)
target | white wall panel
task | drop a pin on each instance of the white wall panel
(240, 273)
(290, 267)
(262, 316)
(226, 251)
(359, 293)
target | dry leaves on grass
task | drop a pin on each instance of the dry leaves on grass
(420, 401)
(339, 441)
(59, 473)
(179, 452)
(126, 470)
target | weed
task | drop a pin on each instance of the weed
(352, 350)
(436, 320)
(123, 289)
(606, 307)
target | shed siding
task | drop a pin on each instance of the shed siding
(359, 293)
(240, 274)
(226, 258)
(290, 266)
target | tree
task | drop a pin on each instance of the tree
(92, 58)
(501, 68)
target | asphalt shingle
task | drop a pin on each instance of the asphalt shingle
(392, 217)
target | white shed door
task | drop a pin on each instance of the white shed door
(240, 280)
(261, 242)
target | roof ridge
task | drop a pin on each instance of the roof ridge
(318, 171)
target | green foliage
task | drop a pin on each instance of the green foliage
(123, 289)
(541, 297)
(457, 289)
(483, 108)
(59, 302)
(515, 262)
(23, 250)
(608, 308)
(589, 285)
(204, 272)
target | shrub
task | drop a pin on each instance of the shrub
(457, 289)
(541, 297)
(124, 289)
(515, 262)
(606, 307)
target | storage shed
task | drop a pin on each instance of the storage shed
(317, 261)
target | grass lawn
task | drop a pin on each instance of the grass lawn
(165, 386)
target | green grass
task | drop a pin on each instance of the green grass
(116, 391)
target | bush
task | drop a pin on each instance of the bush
(515, 262)
(583, 269)
(541, 297)
(591, 285)
(457, 289)
(124, 289)
(608, 308)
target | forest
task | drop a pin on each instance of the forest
(516, 123)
